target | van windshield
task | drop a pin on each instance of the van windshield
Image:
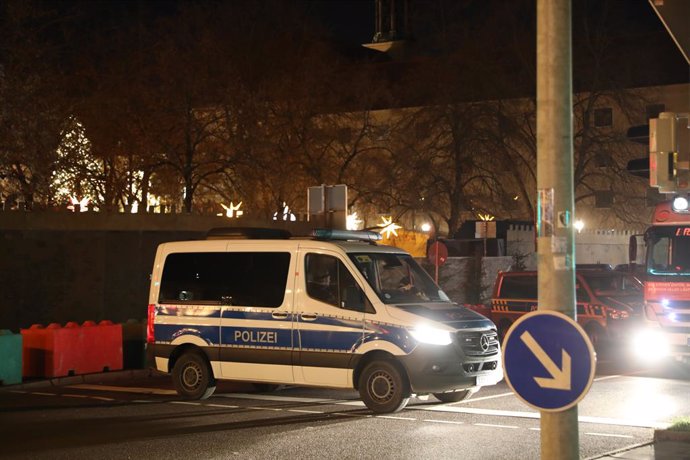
(668, 250)
(397, 278)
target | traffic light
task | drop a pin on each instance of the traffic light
(669, 153)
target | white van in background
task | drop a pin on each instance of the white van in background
(333, 310)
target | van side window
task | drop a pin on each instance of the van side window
(329, 281)
(234, 278)
(519, 287)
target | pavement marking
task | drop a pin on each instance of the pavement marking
(458, 410)
(18, 391)
(449, 422)
(266, 408)
(73, 396)
(502, 395)
(302, 411)
(606, 377)
(608, 435)
(186, 403)
(640, 423)
(351, 415)
(624, 422)
(396, 418)
(535, 429)
(535, 415)
(224, 406)
(283, 398)
(495, 426)
(139, 390)
(142, 401)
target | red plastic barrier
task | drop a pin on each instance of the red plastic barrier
(101, 347)
(50, 351)
(57, 351)
(33, 350)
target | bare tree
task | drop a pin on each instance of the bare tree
(34, 109)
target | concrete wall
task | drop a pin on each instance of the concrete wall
(75, 267)
(591, 245)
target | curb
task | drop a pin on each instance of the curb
(111, 376)
(670, 435)
(620, 451)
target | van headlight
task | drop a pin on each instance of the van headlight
(431, 336)
(650, 345)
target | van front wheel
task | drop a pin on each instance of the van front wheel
(192, 377)
(383, 387)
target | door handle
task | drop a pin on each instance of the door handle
(308, 317)
(279, 315)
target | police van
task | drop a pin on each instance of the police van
(335, 310)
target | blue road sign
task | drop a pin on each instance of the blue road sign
(548, 360)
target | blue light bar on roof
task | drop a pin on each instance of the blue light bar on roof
(346, 235)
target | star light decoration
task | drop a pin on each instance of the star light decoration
(232, 210)
(388, 227)
(285, 214)
(83, 204)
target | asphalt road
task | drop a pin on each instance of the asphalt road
(145, 419)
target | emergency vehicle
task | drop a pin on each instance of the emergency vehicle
(609, 303)
(667, 283)
(333, 310)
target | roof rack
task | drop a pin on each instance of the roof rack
(345, 235)
(251, 233)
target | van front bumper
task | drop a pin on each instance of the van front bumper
(437, 369)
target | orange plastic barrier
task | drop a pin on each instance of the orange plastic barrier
(57, 351)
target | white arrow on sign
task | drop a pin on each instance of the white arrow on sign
(560, 378)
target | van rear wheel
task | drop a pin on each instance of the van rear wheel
(192, 376)
(455, 396)
(383, 387)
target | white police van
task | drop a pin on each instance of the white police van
(334, 310)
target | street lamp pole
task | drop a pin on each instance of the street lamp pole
(555, 238)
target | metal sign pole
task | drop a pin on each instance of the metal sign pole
(556, 249)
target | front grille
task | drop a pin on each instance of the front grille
(478, 343)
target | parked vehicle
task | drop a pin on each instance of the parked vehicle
(667, 284)
(609, 303)
(335, 310)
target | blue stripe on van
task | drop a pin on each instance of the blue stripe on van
(338, 322)
(398, 336)
(169, 332)
(188, 310)
(329, 340)
(257, 337)
(254, 315)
